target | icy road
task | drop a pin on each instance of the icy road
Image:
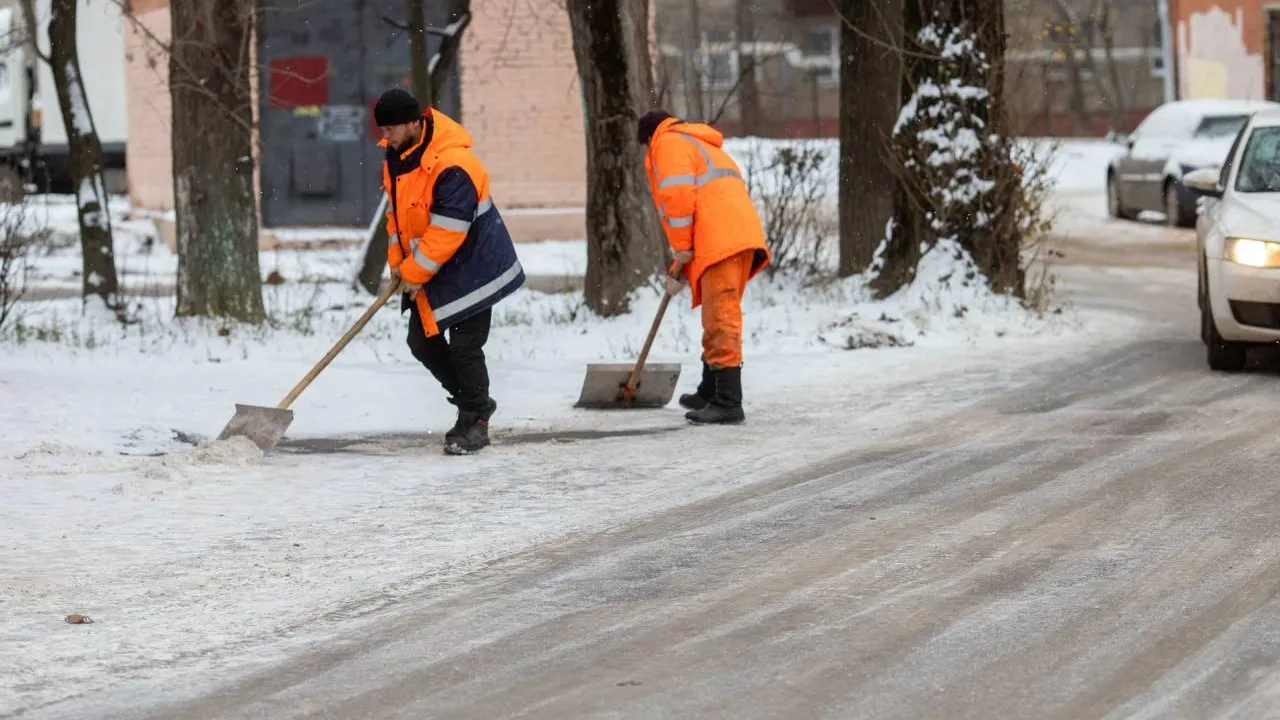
(1096, 535)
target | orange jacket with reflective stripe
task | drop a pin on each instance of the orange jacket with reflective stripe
(445, 233)
(702, 199)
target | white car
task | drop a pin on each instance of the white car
(1238, 244)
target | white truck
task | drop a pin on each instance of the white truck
(33, 138)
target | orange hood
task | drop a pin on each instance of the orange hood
(701, 131)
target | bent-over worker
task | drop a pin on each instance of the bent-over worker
(452, 250)
(714, 231)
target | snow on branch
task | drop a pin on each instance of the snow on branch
(961, 182)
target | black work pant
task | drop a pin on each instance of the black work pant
(459, 362)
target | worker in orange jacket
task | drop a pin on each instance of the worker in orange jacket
(715, 233)
(451, 249)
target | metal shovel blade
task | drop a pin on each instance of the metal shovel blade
(603, 386)
(265, 426)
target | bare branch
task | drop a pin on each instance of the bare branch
(29, 17)
(729, 95)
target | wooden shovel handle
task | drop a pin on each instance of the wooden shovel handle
(391, 289)
(634, 380)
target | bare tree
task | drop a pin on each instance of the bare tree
(1083, 35)
(695, 103)
(417, 29)
(749, 100)
(96, 242)
(217, 221)
(610, 45)
(1107, 32)
(1066, 33)
(870, 92)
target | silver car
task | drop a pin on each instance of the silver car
(1173, 140)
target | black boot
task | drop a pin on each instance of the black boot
(725, 407)
(470, 434)
(700, 399)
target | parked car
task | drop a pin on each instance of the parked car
(1174, 139)
(1238, 245)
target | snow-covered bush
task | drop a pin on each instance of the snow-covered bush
(961, 179)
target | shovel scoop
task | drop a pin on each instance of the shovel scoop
(605, 386)
(266, 426)
(623, 385)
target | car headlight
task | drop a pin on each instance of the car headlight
(1253, 253)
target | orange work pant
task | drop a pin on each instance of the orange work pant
(722, 286)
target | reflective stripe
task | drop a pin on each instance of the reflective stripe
(395, 238)
(457, 225)
(427, 263)
(677, 180)
(680, 222)
(713, 173)
(479, 295)
(448, 223)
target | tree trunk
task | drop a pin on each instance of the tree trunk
(96, 243)
(870, 95)
(624, 247)
(444, 64)
(217, 223)
(1108, 31)
(910, 229)
(697, 105)
(414, 17)
(749, 99)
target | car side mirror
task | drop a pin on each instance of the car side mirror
(1203, 182)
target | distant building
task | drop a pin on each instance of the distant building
(323, 65)
(796, 49)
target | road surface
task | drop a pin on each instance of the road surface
(1102, 541)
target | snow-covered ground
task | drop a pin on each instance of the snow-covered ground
(188, 554)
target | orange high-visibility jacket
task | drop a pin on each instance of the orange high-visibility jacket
(445, 233)
(702, 199)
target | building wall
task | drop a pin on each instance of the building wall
(1220, 49)
(521, 103)
(150, 160)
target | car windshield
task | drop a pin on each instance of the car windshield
(1260, 162)
(1221, 126)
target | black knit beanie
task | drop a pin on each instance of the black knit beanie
(396, 107)
(648, 124)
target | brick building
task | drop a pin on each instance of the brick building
(317, 163)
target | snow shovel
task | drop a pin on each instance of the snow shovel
(622, 385)
(265, 426)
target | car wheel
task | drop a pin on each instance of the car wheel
(1223, 356)
(1114, 207)
(1175, 215)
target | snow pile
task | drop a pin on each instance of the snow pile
(784, 312)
